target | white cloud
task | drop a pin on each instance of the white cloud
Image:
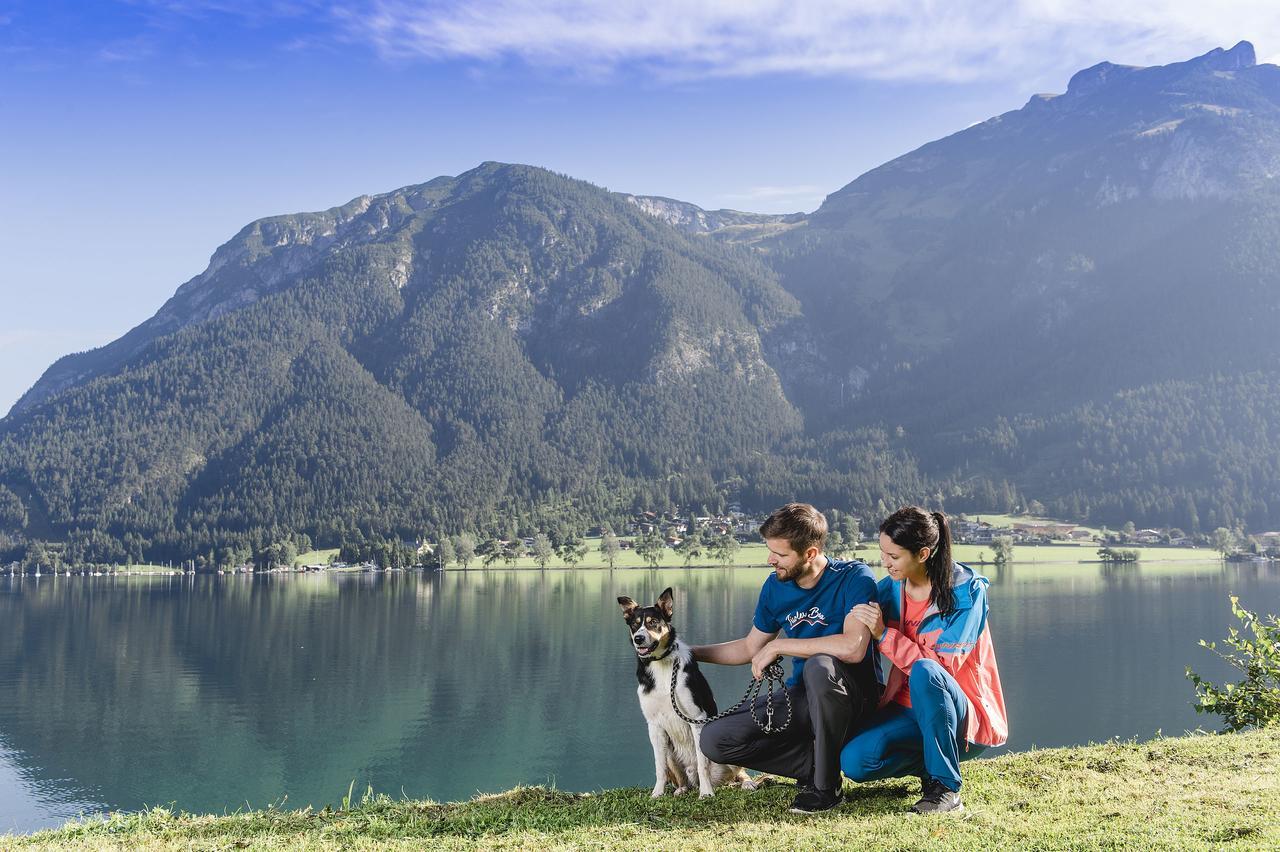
(774, 199)
(919, 40)
(1035, 41)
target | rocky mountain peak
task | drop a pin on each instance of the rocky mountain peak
(1103, 74)
(1095, 77)
(1240, 56)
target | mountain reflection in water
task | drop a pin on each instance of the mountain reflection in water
(213, 693)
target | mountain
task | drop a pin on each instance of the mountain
(1094, 249)
(725, 225)
(457, 354)
(1068, 248)
(1071, 302)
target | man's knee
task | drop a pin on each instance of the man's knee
(820, 672)
(716, 744)
(826, 676)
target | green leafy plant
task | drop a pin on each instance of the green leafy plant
(349, 801)
(1254, 701)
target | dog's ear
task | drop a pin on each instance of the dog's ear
(628, 606)
(665, 602)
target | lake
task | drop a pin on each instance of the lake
(216, 693)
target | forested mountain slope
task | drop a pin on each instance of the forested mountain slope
(448, 354)
(1094, 250)
(1073, 302)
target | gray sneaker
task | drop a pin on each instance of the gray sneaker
(937, 799)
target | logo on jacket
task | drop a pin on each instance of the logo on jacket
(812, 616)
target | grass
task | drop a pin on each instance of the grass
(141, 568)
(315, 557)
(1202, 791)
(149, 569)
(1004, 520)
(1075, 553)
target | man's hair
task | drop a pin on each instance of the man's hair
(799, 523)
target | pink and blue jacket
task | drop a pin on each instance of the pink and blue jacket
(960, 642)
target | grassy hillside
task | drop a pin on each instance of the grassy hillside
(1195, 792)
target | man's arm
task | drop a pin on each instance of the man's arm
(850, 645)
(737, 652)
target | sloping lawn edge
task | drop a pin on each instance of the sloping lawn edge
(1219, 791)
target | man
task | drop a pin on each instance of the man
(833, 685)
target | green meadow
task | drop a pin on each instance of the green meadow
(1204, 791)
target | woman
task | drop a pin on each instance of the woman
(942, 701)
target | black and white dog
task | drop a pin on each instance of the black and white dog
(676, 755)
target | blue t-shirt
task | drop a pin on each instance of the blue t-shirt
(820, 611)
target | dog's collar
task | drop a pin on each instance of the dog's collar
(670, 648)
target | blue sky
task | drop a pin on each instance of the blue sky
(138, 135)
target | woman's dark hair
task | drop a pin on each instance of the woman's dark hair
(915, 529)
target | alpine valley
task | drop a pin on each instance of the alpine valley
(1075, 302)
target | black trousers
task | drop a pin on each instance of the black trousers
(828, 703)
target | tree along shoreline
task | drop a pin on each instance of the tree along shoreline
(746, 556)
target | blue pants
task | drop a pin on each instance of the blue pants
(923, 739)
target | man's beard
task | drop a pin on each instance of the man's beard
(791, 573)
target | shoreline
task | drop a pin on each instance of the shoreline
(1024, 556)
(275, 572)
(424, 569)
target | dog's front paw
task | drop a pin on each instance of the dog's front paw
(658, 791)
(706, 793)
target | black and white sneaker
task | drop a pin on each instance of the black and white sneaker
(811, 800)
(937, 799)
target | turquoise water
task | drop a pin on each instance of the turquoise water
(215, 693)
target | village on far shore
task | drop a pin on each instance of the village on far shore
(672, 539)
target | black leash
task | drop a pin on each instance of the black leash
(773, 674)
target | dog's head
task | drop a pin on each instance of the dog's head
(650, 626)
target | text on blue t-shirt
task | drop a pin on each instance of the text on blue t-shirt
(820, 611)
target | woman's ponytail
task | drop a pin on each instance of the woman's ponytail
(938, 566)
